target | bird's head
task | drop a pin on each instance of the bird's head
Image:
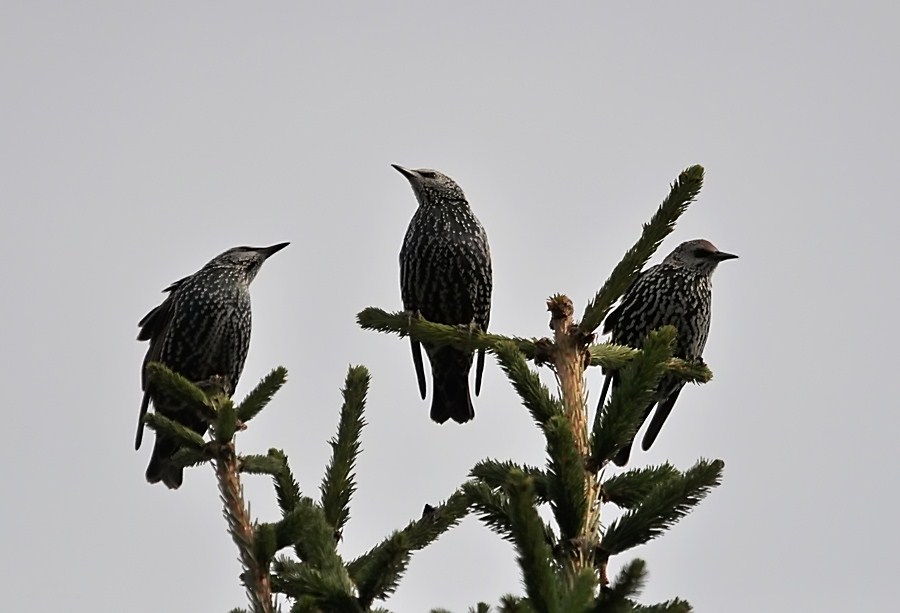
(431, 187)
(246, 259)
(699, 255)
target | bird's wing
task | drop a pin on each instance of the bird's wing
(606, 382)
(479, 370)
(153, 328)
(485, 320)
(659, 418)
(153, 323)
(139, 436)
(612, 318)
(407, 294)
(420, 368)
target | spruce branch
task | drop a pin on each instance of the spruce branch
(681, 194)
(319, 591)
(534, 554)
(181, 394)
(565, 479)
(676, 605)
(414, 325)
(495, 474)
(662, 507)
(259, 465)
(514, 604)
(535, 395)
(491, 507)
(226, 422)
(627, 585)
(265, 542)
(305, 604)
(614, 357)
(306, 528)
(618, 421)
(338, 483)
(257, 399)
(611, 356)
(579, 597)
(256, 575)
(377, 572)
(287, 490)
(186, 456)
(627, 490)
(174, 430)
(692, 372)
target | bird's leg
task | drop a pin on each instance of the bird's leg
(225, 385)
(544, 352)
(212, 449)
(410, 315)
(216, 385)
(472, 328)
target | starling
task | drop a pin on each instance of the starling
(677, 292)
(201, 330)
(445, 275)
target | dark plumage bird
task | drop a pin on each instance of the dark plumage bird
(445, 275)
(201, 329)
(677, 292)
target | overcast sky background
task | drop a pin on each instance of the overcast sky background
(138, 140)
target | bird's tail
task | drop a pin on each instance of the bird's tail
(450, 376)
(659, 418)
(606, 382)
(622, 456)
(161, 467)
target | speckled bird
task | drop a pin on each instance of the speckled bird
(202, 329)
(677, 292)
(445, 275)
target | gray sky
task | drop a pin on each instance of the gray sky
(138, 141)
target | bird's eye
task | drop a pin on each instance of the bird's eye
(428, 174)
(702, 253)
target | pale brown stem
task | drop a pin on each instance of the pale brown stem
(255, 576)
(571, 356)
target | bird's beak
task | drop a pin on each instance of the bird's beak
(721, 256)
(406, 172)
(268, 251)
